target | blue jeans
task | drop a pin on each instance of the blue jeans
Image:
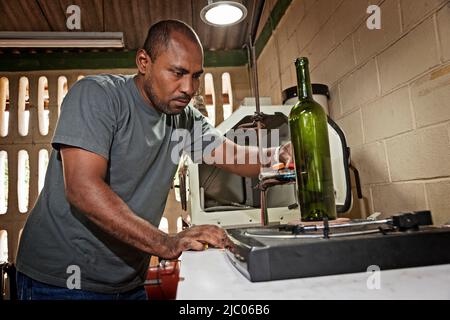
(29, 289)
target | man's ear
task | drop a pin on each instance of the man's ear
(143, 61)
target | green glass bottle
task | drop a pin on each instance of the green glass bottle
(309, 135)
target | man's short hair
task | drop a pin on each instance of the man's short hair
(158, 36)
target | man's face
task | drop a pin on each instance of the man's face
(174, 77)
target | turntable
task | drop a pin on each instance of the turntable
(336, 247)
(256, 212)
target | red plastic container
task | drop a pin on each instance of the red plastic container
(162, 280)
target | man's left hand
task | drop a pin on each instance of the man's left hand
(285, 155)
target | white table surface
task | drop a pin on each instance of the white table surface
(209, 275)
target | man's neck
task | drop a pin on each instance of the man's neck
(139, 81)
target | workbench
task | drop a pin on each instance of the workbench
(210, 275)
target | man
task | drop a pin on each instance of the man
(93, 228)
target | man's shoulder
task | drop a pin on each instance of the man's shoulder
(109, 86)
(107, 81)
(106, 91)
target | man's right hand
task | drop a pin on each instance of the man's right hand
(195, 238)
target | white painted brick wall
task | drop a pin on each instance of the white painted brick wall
(431, 97)
(347, 18)
(443, 19)
(338, 63)
(352, 127)
(424, 153)
(334, 104)
(286, 80)
(390, 92)
(388, 116)
(359, 87)
(393, 198)
(369, 42)
(321, 45)
(316, 17)
(439, 200)
(287, 52)
(355, 211)
(409, 57)
(370, 159)
(294, 15)
(414, 10)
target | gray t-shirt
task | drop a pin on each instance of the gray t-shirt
(107, 115)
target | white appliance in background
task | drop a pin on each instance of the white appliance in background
(215, 196)
(321, 94)
(218, 197)
(250, 101)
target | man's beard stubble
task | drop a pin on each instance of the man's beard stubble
(157, 103)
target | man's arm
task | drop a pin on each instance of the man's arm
(245, 161)
(86, 189)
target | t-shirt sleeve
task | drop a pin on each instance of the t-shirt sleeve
(203, 137)
(87, 119)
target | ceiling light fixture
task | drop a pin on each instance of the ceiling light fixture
(61, 40)
(223, 13)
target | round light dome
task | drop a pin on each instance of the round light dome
(223, 13)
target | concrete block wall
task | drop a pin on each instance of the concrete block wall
(390, 91)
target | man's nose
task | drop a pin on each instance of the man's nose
(187, 86)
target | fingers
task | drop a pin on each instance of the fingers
(199, 236)
(286, 154)
(195, 245)
(213, 236)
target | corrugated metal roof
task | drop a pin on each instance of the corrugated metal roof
(132, 17)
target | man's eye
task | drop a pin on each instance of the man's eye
(178, 74)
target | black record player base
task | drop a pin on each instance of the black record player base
(261, 258)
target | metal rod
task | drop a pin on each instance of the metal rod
(306, 236)
(255, 75)
(345, 225)
(264, 213)
(362, 204)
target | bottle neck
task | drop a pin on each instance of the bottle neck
(304, 89)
